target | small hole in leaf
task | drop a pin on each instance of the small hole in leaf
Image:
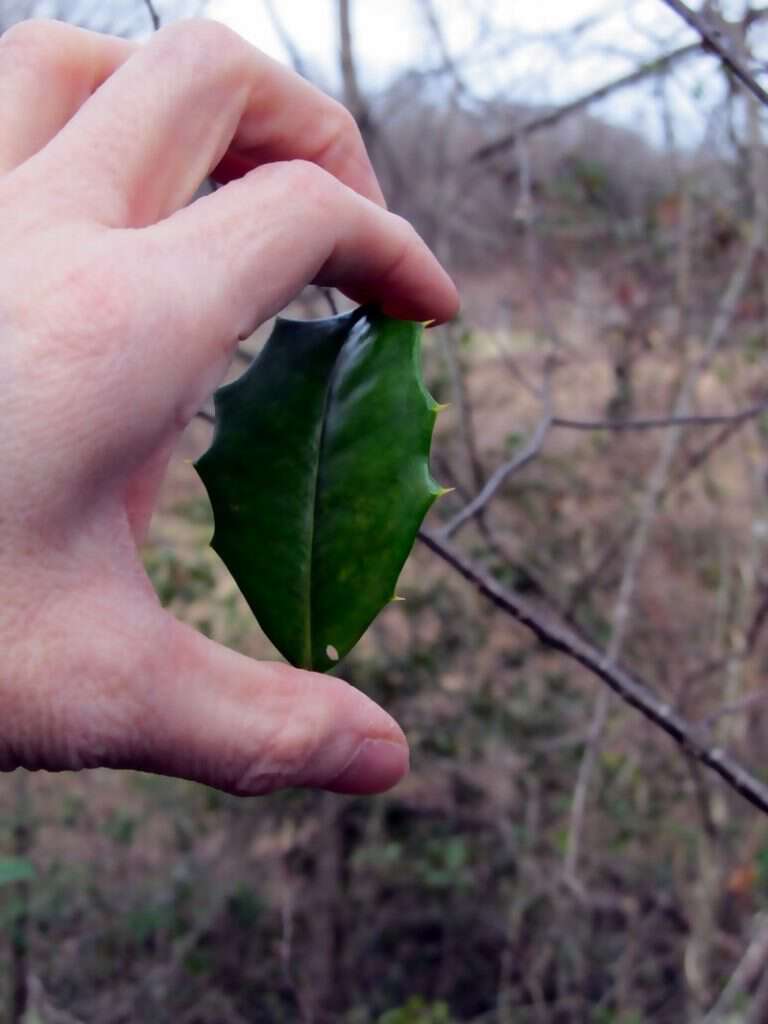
(332, 653)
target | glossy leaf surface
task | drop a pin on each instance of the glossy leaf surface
(318, 476)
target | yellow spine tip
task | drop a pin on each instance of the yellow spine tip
(396, 597)
(441, 406)
(428, 323)
(443, 490)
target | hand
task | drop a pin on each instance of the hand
(120, 308)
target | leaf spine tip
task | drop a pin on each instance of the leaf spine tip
(397, 597)
(443, 490)
(428, 323)
(441, 406)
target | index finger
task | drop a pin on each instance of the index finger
(196, 95)
(48, 69)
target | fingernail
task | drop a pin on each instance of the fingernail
(377, 765)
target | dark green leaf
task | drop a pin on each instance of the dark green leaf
(318, 476)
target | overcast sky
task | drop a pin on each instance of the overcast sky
(513, 57)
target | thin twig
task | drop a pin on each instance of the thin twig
(353, 97)
(630, 689)
(527, 212)
(448, 63)
(745, 651)
(735, 707)
(699, 457)
(715, 39)
(286, 39)
(154, 16)
(758, 1010)
(655, 422)
(651, 67)
(462, 400)
(535, 124)
(330, 299)
(748, 971)
(497, 478)
(652, 501)
(693, 463)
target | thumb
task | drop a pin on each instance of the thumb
(251, 727)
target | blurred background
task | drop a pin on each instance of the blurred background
(595, 178)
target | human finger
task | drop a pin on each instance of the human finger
(241, 254)
(140, 690)
(193, 95)
(47, 71)
(251, 727)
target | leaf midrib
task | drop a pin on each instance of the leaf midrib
(308, 603)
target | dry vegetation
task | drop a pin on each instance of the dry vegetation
(554, 856)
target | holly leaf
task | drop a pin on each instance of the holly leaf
(318, 475)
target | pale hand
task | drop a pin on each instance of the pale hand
(120, 307)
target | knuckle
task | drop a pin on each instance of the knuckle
(403, 228)
(38, 44)
(305, 179)
(343, 130)
(200, 40)
(284, 759)
(405, 241)
(295, 742)
(305, 174)
(341, 137)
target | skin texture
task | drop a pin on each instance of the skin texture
(120, 308)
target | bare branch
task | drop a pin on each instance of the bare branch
(646, 70)
(535, 124)
(747, 649)
(286, 39)
(652, 501)
(655, 422)
(630, 689)
(352, 94)
(527, 212)
(451, 351)
(749, 969)
(693, 463)
(634, 692)
(153, 15)
(448, 63)
(539, 435)
(736, 707)
(502, 473)
(716, 40)
(330, 299)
